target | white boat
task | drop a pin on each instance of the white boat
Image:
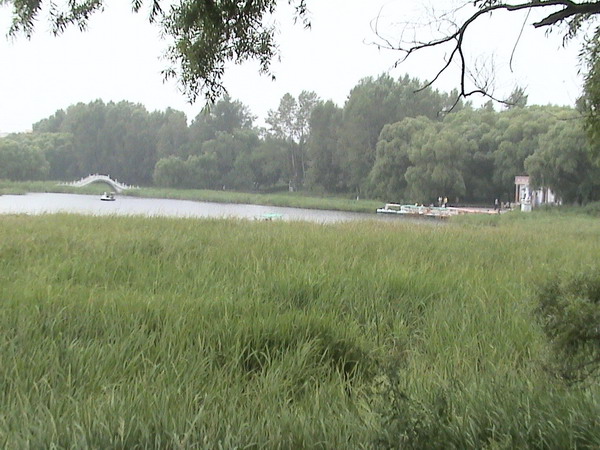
(108, 197)
(416, 210)
(390, 208)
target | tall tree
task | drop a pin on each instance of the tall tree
(58, 151)
(115, 138)
(86, 124)
(265, 165)
(171, 172)
(20, 161)
(52, 124)
(387, 179)
(374, 103)
(307, 101)
(325, 169)
(173, 133)
(291, 124)
(478, 126)
(225, 149)
(224, 117)
(562, 163)
(437, 167)
(518, 134)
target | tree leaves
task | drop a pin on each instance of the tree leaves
(205, 34)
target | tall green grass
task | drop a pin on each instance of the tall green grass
(123, 332)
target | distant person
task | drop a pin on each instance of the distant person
(496, 205)
(445, 202)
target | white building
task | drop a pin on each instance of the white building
(529, 198)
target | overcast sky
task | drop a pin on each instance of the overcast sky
(119, 58)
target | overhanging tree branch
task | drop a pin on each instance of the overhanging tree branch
(206, 35)
(569, 11)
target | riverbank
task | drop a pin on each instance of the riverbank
(161, 333)
(287, 199)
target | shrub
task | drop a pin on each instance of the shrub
(592, 209)
(569, 311)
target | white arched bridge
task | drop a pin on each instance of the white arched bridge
(100, 178)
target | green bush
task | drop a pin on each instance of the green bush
(592, 209)
(569, 310)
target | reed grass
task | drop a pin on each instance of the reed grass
(129, 332)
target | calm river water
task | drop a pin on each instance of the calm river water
(42, 203)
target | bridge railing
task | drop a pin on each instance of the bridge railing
(84, 181)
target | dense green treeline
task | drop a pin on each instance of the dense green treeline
(387, 142)
(475, 154)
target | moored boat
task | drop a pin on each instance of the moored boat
(417, 211)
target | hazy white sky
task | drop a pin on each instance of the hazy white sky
(119, 58)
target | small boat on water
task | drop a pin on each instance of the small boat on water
(108, 197)
(417, 211)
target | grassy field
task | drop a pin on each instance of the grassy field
(177, 333)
